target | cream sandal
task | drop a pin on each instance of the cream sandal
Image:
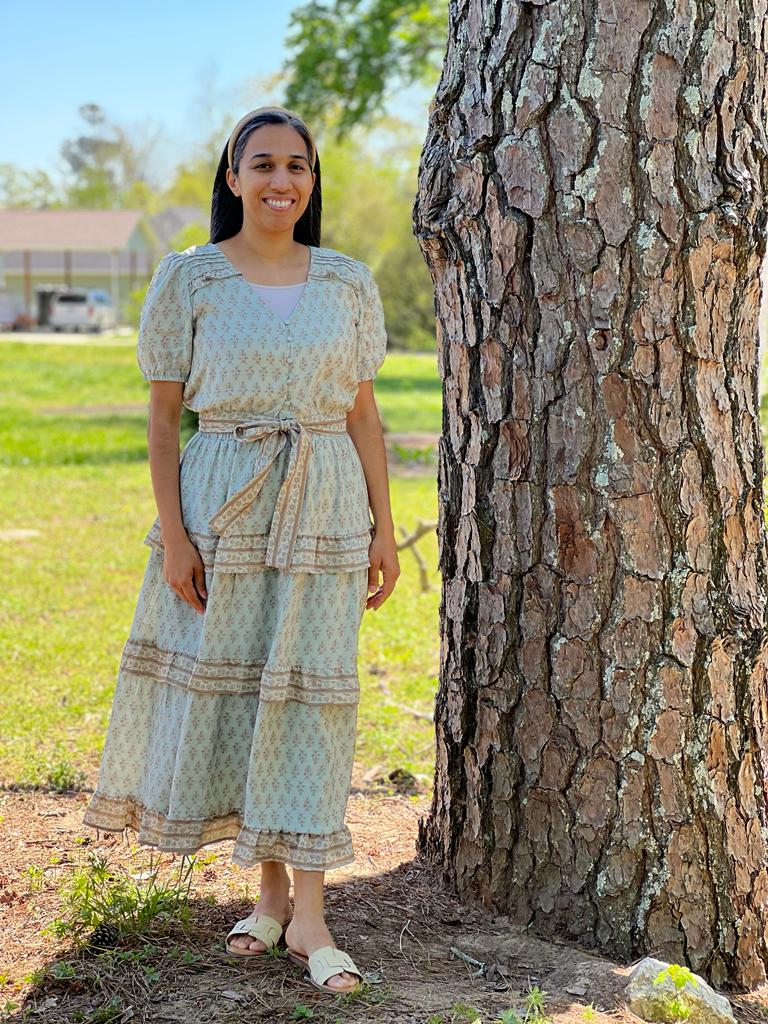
(323, 964)
(259, 926)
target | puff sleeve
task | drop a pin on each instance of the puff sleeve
(371, 331)
(164, 346)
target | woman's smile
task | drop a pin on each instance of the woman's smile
(279, 204)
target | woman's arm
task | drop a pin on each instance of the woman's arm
(364, 427)
(165, 400)
(182, 565)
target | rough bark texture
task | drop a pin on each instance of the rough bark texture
(591, 209)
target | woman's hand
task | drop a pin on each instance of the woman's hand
(382, 555)
(183, 570)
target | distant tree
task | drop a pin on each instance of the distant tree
(345, 57)
(195, 233)
(107, 167)
(191, 181)
(28, 187)
(408, 294)
(191, 184)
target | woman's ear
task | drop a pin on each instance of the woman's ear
(232, 182)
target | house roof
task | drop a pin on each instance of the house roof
(57, 230)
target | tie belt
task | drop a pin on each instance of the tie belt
(275, 432)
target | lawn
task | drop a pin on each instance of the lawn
(73, 468)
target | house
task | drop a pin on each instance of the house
(115, 250)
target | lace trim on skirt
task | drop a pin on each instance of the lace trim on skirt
(144, 660)
(247, 552)
(303, 850)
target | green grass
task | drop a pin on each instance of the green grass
(408, 393)
(82, 480)
(41, 422)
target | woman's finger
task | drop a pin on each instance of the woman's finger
(390, 576)
(386, 588)
(198, 575)
(189, 594)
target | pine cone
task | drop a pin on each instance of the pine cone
(104, 936)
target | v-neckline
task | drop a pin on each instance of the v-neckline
(259, 299)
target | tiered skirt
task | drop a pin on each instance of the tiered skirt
(241, 723)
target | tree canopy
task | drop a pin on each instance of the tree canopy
(346, 55)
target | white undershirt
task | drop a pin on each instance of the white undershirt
(282, 298)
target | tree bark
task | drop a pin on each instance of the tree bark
(591, 208)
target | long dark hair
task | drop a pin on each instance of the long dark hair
(227, 208)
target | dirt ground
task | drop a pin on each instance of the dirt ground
(427, 959)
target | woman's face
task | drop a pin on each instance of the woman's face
(274, 166)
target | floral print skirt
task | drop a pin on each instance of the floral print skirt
(240, 723)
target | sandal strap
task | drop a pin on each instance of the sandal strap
(327, 961)
(259, 926)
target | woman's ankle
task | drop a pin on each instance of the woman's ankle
(275, 878)
(274, 889)
(274, 896)
(309, 918)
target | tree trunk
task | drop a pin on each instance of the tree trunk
(590, 207)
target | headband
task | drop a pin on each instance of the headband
(251, 113)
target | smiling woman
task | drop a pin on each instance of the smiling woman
(236, 702)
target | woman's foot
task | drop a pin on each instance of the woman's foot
(279, 909)
(305, 936)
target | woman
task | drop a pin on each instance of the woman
(236, 701)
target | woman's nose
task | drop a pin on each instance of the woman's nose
(280, 177)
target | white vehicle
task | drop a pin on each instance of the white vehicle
(81, 309)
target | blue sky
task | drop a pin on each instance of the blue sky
(150, 65)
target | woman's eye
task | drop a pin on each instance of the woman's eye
(297, 167)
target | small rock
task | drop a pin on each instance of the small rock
(377, 772)
(652, 1002)
(576, 989)
(494, 973)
